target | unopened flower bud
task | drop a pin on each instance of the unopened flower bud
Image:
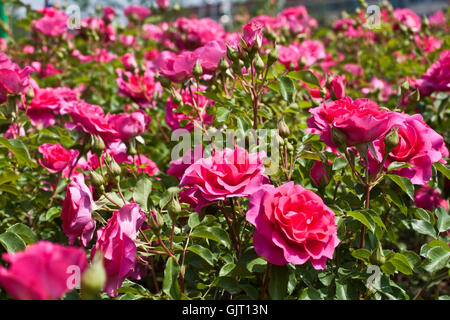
(165, 82)
(94, 278)
(98, 145)
(155, 221)
(283, 128)
(198, 70)
(97, 180)
(223, 64)
(174, 208)
(339, 138)
(391, 140)
(233, 55)
(377, 257)
(259, 63)
(273, 56)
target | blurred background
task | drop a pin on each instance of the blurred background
(226, 9)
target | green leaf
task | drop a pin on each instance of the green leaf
(361, 254)
(12, 242)
(257, 265)
(437, 258)
(397, 165)
(442, 169)
(369, 218)
(170, 283)
(222, 114)
(423, 227)
(142, 191)
(287, 89)
(344, 291)
(203, 252)
(226, 269)
(305, 76)
(278, 282)
(401, 263)
(339, 163)
(23, 231)
(443, 221)
(19, 150)
(194, 220)
(212, 233)
(404, 183)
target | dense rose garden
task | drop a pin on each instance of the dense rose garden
(116, 181)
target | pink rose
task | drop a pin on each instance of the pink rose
(361, 120)
(337, 86)
(137, 12)
(90, 119)
(251, 34)
(108, 14)
(419, 145)
(437, 18)
(116, 241)
(163, 4)
(47, 103)
(179, 166)
(175, 67)
(427, 43)
(140, 88)
(143, 164)
(56, 158)
(298, 19)
(174, 119)
(193, 33)
(129, 125)
(210, 54)
(381, 86)
(53, 23)
(227, 173)
(437, 77)
(129, 61)
(311, 51)
(293, 225)
(13, 80)
(319, 174)
(408, 18)
(152, 31)
(41, 271)
(76, 212)
(429, 199)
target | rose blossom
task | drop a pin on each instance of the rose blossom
(437, 77)
(419, 145)
(319, 174)
(41, 271)
(337, 86)
(429, 199)
(179, 166)
(251, 34)
(408, 18)
(116, 241)
(137, 12)
(90, 119)
(163, 4)
(53, 23)
(76, 212)
(129, 125)
(56, 158)
(293, 225)
(140, 88)
(47, 103)
(360, 120)
(13, 80)
(227, 173)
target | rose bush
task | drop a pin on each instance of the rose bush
(173, 158)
